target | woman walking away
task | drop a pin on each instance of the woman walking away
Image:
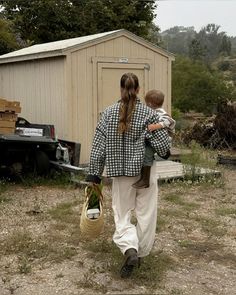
(119, 143)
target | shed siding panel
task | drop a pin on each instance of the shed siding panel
(89, 114)
(39, 86)
(118, 47)
(82, 77)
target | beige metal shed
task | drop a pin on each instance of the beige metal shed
(68, 83)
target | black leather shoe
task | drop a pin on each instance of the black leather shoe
(131, 260)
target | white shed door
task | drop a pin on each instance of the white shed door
(109, 75)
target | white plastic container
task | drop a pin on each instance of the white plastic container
(93, 213)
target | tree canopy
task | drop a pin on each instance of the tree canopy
(8, 40)
(195, 87)
(206, 45)
(40, 21)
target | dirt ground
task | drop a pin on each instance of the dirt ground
(42, 252)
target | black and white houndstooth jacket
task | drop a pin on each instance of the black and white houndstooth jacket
(123, 154)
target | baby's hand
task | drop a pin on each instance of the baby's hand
(152, 127)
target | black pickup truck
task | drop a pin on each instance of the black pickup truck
(33, 148)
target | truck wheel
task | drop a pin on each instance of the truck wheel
(42, 164)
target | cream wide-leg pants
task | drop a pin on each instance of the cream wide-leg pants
(125, 198)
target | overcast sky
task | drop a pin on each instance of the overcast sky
(197, 13)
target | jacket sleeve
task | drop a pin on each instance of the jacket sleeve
(98, 151)
(167, 121)
(158, 139)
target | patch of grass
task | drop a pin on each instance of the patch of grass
(3, 188)
(150, 273)
(170, 212)
(55, 178)
(197, 159)
(153, 269)
(211, 226)
(177, 200)
(64, 212)
(4, 198)
(100, 245)
(207, 250)
(88, 283)
(24, 265)
(184, 243)
(161, 223)
(176, 291)
(46, 248)
(59, 276)
(226, 211)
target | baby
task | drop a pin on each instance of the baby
(154, 99)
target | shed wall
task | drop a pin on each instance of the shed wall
(39, 85)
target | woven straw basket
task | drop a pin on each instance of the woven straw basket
(92, 228)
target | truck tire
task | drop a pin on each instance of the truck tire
(42, 164)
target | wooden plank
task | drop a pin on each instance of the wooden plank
(7, 124)
(170, 169)
(4, 130)
(10, 109)
(8, 117)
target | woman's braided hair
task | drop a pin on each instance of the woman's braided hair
(129, 84)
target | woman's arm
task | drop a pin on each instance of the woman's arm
(98, 152)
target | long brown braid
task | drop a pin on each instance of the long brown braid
(129, 84)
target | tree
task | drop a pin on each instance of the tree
(207, 44)
(7, 37)
(225, 46)
(196, 50)
(177, 39)
(197, 88)
(42, 21)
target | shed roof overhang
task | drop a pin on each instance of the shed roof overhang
(64, 47)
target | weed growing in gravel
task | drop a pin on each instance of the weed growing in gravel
(211, 226)
(24, 265)
(226, 211)
(197, 159)
(87, 282)
(3, 189)
(177, 200)
(30, 248)
(64, 212)
(55, 178)
(153, 269)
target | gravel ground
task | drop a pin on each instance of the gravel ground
(42, 251)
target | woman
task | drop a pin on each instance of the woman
(119, 143)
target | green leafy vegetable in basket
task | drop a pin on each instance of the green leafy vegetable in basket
(94, 197)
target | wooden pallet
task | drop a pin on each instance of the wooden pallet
(174, 170)
(7, 124)
(7, 130)
(9, 106)
(8, 117)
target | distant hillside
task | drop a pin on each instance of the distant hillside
(206, 45)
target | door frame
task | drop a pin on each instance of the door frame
(99, 63)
